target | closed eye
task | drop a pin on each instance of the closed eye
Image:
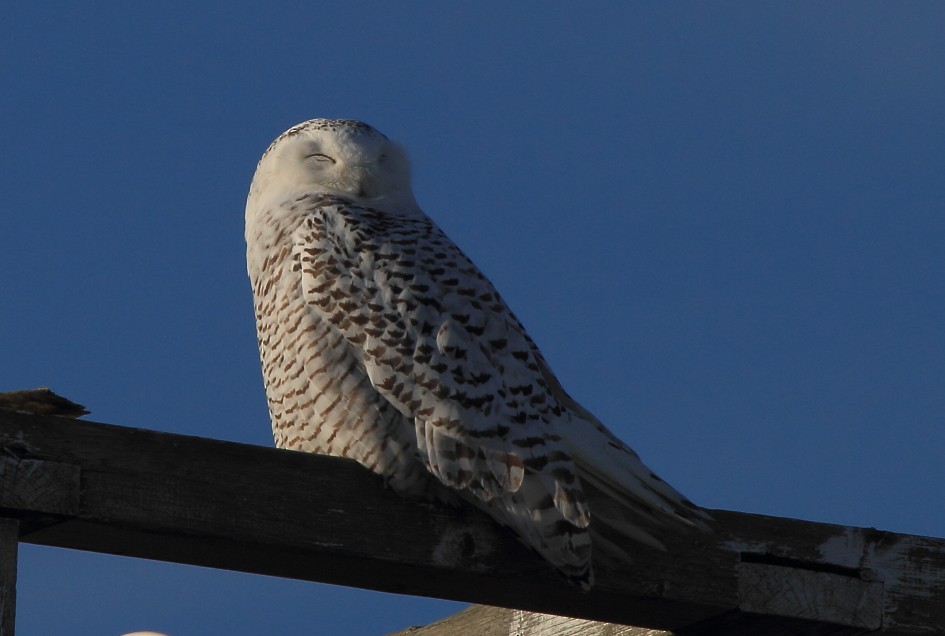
(320, 158)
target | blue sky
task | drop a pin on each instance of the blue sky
(723, 223)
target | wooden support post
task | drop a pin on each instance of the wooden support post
(154, 495)
(9, 543)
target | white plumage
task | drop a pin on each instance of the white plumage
(382, 342)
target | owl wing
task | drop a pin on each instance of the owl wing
(438, 342)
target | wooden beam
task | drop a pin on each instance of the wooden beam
(147, 494)
(9, 533)
(482, 620)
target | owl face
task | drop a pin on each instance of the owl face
(341, 157)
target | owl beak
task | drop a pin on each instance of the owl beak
(364, 182)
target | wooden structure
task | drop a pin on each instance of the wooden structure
(484, 620)
(142, 493)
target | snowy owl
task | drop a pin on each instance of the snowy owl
(382, 342)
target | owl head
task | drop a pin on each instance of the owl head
(342, 157)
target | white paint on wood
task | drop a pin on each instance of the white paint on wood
(845, 549)
(886, 561)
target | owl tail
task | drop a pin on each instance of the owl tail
(533, 514)
(627, 499)
(608, 467)
(548, 514)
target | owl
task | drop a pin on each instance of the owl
(380, 341)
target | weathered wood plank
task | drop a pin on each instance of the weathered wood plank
(282, 513)
(41, 401)
(481, 620)
(781, 591)
(38, 486)
(477, 619)
(9, 533)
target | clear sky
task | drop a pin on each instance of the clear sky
(723, 223)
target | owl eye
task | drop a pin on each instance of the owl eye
(320, 158)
